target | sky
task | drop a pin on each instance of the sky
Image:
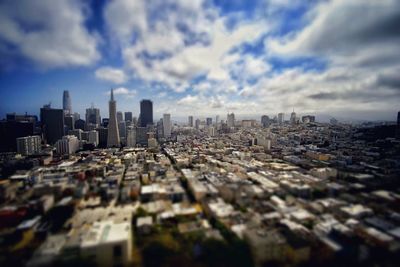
(204, 58)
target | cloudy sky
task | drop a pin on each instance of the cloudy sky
(203, 57)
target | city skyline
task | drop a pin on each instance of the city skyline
(252, 59)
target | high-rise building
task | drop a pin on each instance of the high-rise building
(146, 112)
(208, 121)
(69, 122)
(52, 124)
(113, 133)
(128, 116)
(80, 124)
(131, 136)
(120, 116)
(69, 144)
(67, 102)
(122, 131)
(93, 117)
(28, 145)
(217, 119)
(93, 138)
(160, 129)
(281, 118)
(167, 125)
(103, 134)
(293, 117)
(190, 121)
(265, 121)
(11, 130)
(197, 123)
(141, 135)
(230, 121)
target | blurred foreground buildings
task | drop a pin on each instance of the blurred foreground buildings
(221, 193)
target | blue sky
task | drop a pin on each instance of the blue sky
(203, 57)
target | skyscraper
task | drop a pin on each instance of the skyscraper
(230, 121)
(197, 123)
(131, 136)
(93, 116)
(208, 121)
(190, 121)
(67, 102)
(69, 122)
(113, 133)
(281, 118)
(167, 125)
(52, 124)
(293, 117)
(265, 120)
(146, 112)
(128, 116)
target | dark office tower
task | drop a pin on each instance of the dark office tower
(103, 133)
(80, 124)
(104, 122)
(146, 112)
(264, 121)
(52, 124)
(67, 102)
(208, 121)
(11, 130)
(128, 116)
(69, 122)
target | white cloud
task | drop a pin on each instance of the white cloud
(116, 76)
(50, 34)
(188, 100)
(163, 52)
(123, 91)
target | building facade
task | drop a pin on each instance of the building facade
(29, 145)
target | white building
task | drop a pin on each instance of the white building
(167, 125)
(211, 131)
(69, 144)
(108, 243)
(94, 137)
(131, 136)
(263, 141)
(28, 145)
